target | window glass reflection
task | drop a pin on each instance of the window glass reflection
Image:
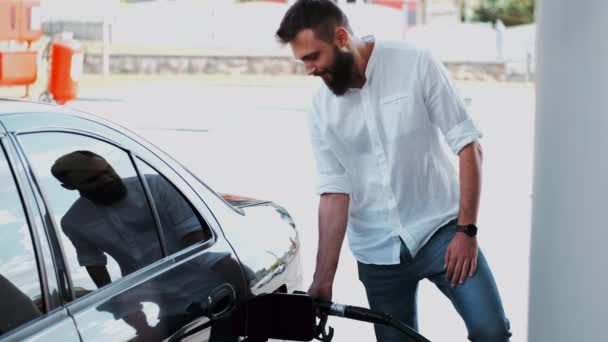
(20, 292)
(181, 226)
(106, 225)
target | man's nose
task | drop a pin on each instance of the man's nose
(310, 68)
(105, 178)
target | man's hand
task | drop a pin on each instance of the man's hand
(461, 258)
(320, 291)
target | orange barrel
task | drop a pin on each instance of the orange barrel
(66, 69)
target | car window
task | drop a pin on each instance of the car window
(180, 224)
(20, 290)
(106, 225)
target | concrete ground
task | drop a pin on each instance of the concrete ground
(248, 135)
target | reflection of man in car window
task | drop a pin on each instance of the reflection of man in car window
(112, 216)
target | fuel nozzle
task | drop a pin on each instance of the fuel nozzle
(367, 315)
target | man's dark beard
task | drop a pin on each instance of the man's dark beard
(341, 72)
(108, 194)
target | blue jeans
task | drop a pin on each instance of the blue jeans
(392, 289)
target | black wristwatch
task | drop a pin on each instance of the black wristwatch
(469, 229)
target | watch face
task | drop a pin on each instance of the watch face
(471, 230)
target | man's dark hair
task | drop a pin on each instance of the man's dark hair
(321, 16)
(59, 171)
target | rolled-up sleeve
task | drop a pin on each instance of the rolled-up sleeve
(444, 105)
(331, 174)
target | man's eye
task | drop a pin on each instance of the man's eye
(311, 57)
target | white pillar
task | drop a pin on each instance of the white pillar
(569, 246)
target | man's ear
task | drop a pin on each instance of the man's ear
(67, 186)
(341, 37)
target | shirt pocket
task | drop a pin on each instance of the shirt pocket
(398, 115)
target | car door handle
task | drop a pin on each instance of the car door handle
(221, 301)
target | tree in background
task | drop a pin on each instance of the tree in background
(511, 12)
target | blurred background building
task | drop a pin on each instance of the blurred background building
(228, 37)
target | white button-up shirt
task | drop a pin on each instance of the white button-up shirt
(383, 144)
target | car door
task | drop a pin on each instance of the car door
(166, 271)
(29, 305)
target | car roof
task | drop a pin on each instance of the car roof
(12, 106)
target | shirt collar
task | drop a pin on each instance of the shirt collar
(372, 57)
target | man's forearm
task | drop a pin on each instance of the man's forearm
(470, 183)
(100, 275)
(333, 216)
